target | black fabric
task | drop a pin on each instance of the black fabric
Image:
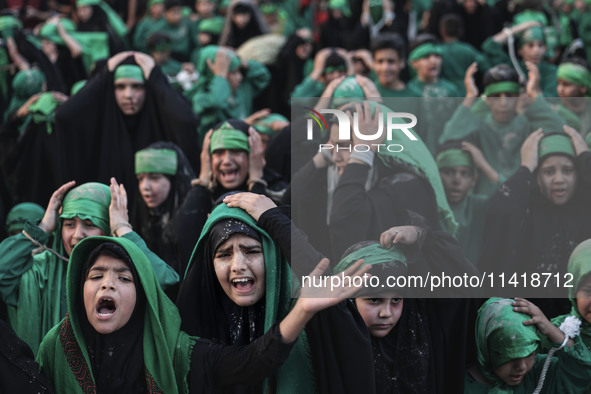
(525, 232)
(239, 36)
(116, 359)
(346, 33)
(278, 154)
(71, 69)
(106, 148)
(157, 225)
(29, 161)
(19, 373)
(215, 367)
(99, 22)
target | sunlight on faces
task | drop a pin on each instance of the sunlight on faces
(584, 298)
(340, 157)
(75, 230)
(380, 314)
(230, 167)
(239, 265)
(109, 294)
(503, 106)
(387, 65)
(457, 182)
(533, 51)
(557, 179)
(154, 188)
(130, 95)
(513, 372)
(428, 68)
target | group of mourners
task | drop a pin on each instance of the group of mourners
(164, 195)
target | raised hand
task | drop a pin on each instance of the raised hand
(49, 221)
(254, 204)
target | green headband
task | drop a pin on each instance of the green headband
(372, 255)
(89, 201)
(501, 87)
(454, 158)
(160, 161)
(265, 125)
(330, 69)
(22, 213)
(555, 144)
(574, 73)
(80, 3)
(213, 25)
(227, 137)
(152, 2)
(532, 34)
(130, 71)
(424, 50)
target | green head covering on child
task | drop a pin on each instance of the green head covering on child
(576, 74)
(265, 125)
(454, 157)
(22, 213)
(555, 144)
(425, 50)
(130, 71)
(349, 90)
(227, 136)
(25, 84)
(159, 161)
(502, 337)
(209, 53)
(213, 25)
(89, 201)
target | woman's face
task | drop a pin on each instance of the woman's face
(84, 13)
(109, 294)
(240, 268)
(380, 314)
(241, 19)
(514, 371)
(154, 188)
(584, 298)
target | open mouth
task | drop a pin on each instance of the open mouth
(229, 174)
(106, 307)
(243, 284)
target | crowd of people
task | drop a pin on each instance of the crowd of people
(164, 195)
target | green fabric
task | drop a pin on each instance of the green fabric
(21, 213)
(81, 3)
(416, 155)
(213, 25)
(502, 337)
(152, 2)
(575, 73)
(532, 34)
(49, 31)
(265, 125)
(295, 375)
(373, 254)
(166, 349)
(341, 5)
(8, 24)
(457, 56)
(43, 111)
(159, 161)
(77, 86)
(114, 19)
(454, 158)
(25, 84)
(530, 15)
(425, 50)
(208, 53)
(555, 144)
(470, 213)
(95, 47)
(501, 87)
(227, 137)
(89, 202)
(180, 35)
(347, 91)
(130, 71)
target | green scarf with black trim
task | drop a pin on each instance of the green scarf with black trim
(63, 356)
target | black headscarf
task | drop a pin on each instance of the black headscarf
(116, 359)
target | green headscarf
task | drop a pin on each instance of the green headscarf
(8, 24)
(372, 254)
(575, 73)
(152, 2)
(502, 337)
(228, 137)
(43, 110)
(579, 265)
(296, 375)
(264, 125)
(114, 19)
(49, 31)
(454, 158)
(347, 91)
(501, 87)
(532, 34)
(166, 349)
(159, 161)
(341, 5)
(77, 86)
(424, 50)
(213, 25)
(530, 15)
(555, 144)
(130, 71)
(89, 201)
(209, 52)
(25, 84)
(21, 213)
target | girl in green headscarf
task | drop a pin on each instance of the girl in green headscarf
(122, 334)
(507, 341)
(33, 285)
(25, 84)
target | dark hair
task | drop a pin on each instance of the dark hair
(500, 73)
(423, 39)
(452, 25)
(392, 41)
(168, 4)
(110, 249)
(576, 60)
(157, 39)
(447, 145)
(334, 60)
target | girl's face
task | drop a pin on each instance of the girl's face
(84, 13)
(514, 371)
(109, 294)
(154, 188)
(533, 51)
(428, 68)
(205, 8)
(584, 298)
(380, 314)
(240, 268)
(75, 230)
(157, 10)
(235, 79)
